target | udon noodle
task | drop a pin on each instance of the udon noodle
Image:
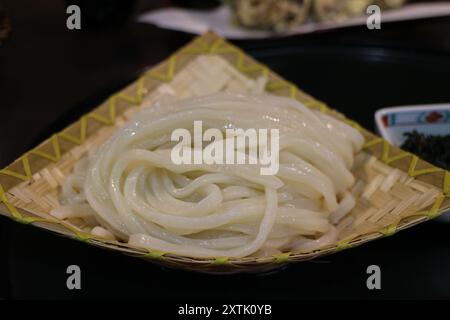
(130, 190)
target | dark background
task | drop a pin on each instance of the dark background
(49, 76)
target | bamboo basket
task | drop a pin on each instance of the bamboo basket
(394, 189)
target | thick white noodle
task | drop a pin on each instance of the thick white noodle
(137, 194)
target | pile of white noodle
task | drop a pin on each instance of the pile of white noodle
(130, 189)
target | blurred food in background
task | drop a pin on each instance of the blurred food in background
(271, 14)
(283, 14)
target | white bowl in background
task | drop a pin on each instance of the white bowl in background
(433, 119)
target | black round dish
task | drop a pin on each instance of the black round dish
(354, 80)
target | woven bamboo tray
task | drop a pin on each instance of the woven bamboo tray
(394, 189)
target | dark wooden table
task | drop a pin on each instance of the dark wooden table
(49, 76)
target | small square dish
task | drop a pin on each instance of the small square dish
(393, 122)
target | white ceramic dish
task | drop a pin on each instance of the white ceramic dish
(393, 122)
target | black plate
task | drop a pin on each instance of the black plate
(355, 80)
(360, 80)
